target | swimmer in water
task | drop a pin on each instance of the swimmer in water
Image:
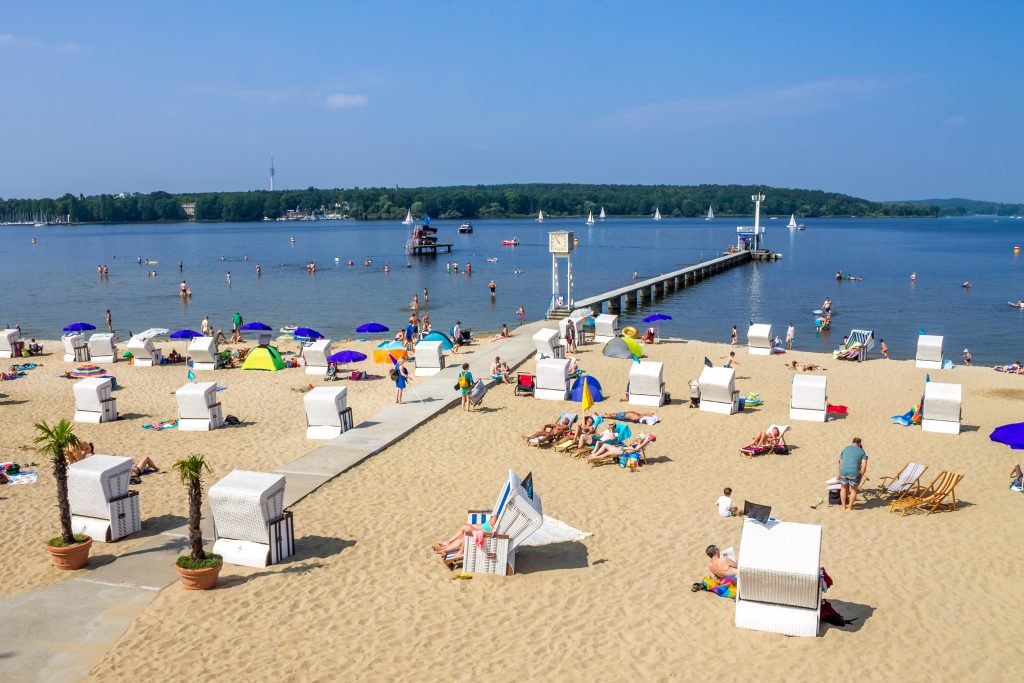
(966, 284)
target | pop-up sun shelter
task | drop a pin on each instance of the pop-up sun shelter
(263, 358)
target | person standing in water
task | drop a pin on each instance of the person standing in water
(735, 336)
(522, 314)
(110, 322)
(492, 285)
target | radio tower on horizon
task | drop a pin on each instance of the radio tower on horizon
(271, 172)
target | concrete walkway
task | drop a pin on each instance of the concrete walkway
(60, 632)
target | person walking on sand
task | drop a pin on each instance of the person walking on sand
(110, 323)
(853, 465)
(465, 385)
(790, 335)
(735, 335)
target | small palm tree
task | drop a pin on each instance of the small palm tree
(54, 441)
(191, 470)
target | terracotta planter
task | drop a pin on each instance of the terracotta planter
(70, 557)
(199, 579)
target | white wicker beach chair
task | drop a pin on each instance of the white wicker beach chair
(94, 401)
(809, 400)
(518, 516)
(102, 348)
(198, 407)
(429, 358)
(779, 590)
(76, 350)
(941, 409)
(646, 383)
(759, 339)
(606, 327)
(929, 352)
(327, 412)
(250, 523)
(8, 343)
(144, 352)
(315, 355)
(552, 380)
(548, 345)
(101, 504)
(718, 392)
(203, 351)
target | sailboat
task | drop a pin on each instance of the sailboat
(657, 214)
(792, 221)
(711, 214)
(408, 218)
(601, 217)
(590, 218)
(540, 216)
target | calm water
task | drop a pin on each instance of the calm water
(54, 282)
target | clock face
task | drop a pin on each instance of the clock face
(560, 242)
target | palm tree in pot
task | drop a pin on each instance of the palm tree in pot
(69, 550)
(198, 570)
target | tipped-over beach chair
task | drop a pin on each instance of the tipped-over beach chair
(759, 340)
(929, 352)
(940, 408)
(101, 504)
(932, 496)
(781, 449)
(525, 383)
(251, 526)
(908, 478)
(518, 512)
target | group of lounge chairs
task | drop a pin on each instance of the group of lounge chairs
(616, 444)
(904, 490)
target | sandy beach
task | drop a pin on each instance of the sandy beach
(365, 598)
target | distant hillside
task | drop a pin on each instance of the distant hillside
(970, 207)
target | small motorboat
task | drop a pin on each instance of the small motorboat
(514, 242)
(1019, 304)
(466, 228)
(492, 260)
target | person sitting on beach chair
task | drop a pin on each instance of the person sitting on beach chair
(608, 451)
(455, 542)
(633, 416)
(772, 440)
(580, 436)
(549, 432)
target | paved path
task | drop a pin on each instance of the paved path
(60, 632)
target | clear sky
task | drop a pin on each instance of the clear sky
(884, 100)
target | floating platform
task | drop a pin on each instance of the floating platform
(428, 249)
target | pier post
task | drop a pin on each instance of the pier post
(643, 295)
(680, 282)
(687, 279)
(614, 305)
(631, 299)
(658, 290)
(668, 286)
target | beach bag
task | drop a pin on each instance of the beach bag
(833, 497)
(393, 374)
(829, 615)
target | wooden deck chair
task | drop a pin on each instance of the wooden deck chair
(944, 485)
(908, 479)
(563, 446)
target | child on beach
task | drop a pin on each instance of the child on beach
(724, 503)
(730, 360)
(885, 349)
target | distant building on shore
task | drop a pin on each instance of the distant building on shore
(189, 208)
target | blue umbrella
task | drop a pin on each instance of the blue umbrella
(256, 325)
(185, 334)
(656, 317)
(346, 357)
(79, 327)
(372, 327)
(307, 333)
(438, 336)
(1012, 435)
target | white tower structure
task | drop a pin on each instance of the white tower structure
(561, 245)
(271, 172)
(751, 237)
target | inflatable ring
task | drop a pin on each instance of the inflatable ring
(630, 332)
(288, 329)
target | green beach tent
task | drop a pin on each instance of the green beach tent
(263, 358)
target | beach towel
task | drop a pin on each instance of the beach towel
(161, 426)
(836, 410)
(22, 478)
(753, 399)
(723, 588)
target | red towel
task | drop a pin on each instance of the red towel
(839, 410)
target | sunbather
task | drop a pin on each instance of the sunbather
(81, 451)
(144, 466)
(500, 370)
(769, 439)
(583, 433)
(1017, 478)
(808, 367)
(721, 567)
(455, 542)
(606, 450)
(633, 416)
(549, 432)
(1012, 368)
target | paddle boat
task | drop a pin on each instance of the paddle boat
(514, 242)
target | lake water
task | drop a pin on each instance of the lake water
(54, 282)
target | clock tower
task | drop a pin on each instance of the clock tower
(561, 244)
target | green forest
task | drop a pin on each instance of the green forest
(459, 202)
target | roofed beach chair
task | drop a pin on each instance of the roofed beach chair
(578, 328)
(779, 587)
(552, 380)
(718, 392)
(858, 344)
(908, 478)
(759, 339)
(203, 351)
(429, 358)
(941, 408)
(932, 496)
(102, 348)
(251, 526)
(198, 407)
(76, 350)
(315, 354)
(101, 504)
(548, 344)
(144, 351)
(646, 383)
(809, 400)
(606, 327)
(929, 352)
(518, 513)
(9, 344)
(93, 400)
(327, 412)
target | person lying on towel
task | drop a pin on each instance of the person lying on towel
(633, 416)
(722, 581)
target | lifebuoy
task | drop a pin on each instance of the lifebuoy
(630, 332)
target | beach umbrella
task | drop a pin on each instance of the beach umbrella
(1012, 435)
(185, 334)
(617, 348)
(656, 317)
(256, 325)
(151, 332)
(307, 333)
(346, 356)
(372, 327)
(446, 342)
(87, 371)
(79, 327)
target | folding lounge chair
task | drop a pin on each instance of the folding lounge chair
(547, 442)
(781, 449)
(944, 485)
(640, 456)
(524, 384)
(908, 478)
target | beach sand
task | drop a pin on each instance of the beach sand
(364, 598)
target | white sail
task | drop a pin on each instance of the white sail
(590, 218)
(657, 214)
(792, 221)
(408, 218)
(540, 216)
(602, 216)
(711, 214)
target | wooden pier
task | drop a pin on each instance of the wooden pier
(652, 289)
(427, 249)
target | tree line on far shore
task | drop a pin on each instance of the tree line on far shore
(457, 202)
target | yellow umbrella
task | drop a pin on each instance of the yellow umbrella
(586, 400)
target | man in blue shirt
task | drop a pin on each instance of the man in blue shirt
(853, 464)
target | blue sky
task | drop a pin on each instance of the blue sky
(883, 100)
